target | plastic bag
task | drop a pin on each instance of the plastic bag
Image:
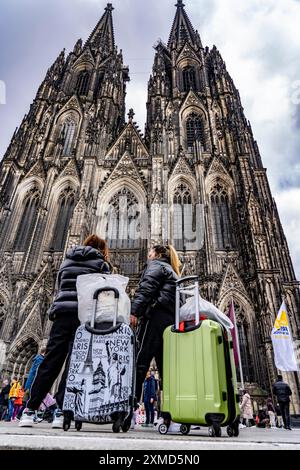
(188, 310)
(86, 287)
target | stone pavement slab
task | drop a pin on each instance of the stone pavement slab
(92, 437)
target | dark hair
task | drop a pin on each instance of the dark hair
(279, 378)
(99, 244)
(245, 391)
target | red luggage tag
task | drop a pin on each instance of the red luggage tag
(181, 327)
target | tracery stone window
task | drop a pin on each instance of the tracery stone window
(123, 227)
(189, 79)
(221, 222)
(82, 85)
(27, 220)
(64, 214)
(183, 217)
(67, 136)
(194, 131)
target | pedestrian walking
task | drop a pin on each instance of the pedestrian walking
(92, 257)
(247, 410)
(271, 412)
(283, 393)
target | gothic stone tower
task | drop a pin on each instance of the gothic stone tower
(75, 167)
(203, 153)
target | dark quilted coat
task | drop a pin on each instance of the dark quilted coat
(79, 260)
(157, 288)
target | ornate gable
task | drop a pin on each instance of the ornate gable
(192, 100)
(182, 168)
(72, 103)
(232, 283)
(37, 170)
(125, 167)
(70, 170)
(187, 52)
(85, 57)
(124, 141)
(217, 167)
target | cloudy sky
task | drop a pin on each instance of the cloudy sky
(258, 39)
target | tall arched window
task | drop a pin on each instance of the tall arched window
(194, 131)
(183, 217)
(27, 220)
(67, 136)
(82, 85)
(189, 79)
(221, 223)
(65, 212)
(123, 225)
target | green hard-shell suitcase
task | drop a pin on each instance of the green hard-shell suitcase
(199, 380)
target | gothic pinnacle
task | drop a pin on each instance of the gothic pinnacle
(109, 7)
(180, 4)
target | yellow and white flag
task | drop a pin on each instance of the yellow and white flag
(284, 355)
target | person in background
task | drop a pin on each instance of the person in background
(90, 258)
(247, 409)
(4, 393)
(18, 404)
(283, 393)
(150, 398)
(13, 394)
(271, 412)
(279, 416)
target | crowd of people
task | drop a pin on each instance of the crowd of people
(274, 414)
(153, 310)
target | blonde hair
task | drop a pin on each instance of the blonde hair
(169, 252)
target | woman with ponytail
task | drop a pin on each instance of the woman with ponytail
(153, 308)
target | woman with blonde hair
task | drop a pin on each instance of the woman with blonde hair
(153, 308)
(92, 257)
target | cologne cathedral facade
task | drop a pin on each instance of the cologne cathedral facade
(77, 164)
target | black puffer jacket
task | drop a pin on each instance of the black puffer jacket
(282, 391)
(157, 287)
(79, 260)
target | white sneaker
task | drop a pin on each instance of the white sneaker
(58, 420)
(27, 418)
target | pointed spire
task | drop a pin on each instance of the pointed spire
(103, 34)
(182, 29)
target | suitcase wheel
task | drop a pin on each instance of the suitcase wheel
(230, 431)
(236, 429)
(78, 425)
(127, 424)
(116, 427)
(67, 420)
(214, 431)
(163, 429)
(66, 424)
(185, 429)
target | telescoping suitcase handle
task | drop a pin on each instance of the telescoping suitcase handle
(95, 299)
(181, 289)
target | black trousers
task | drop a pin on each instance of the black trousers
(149, 408)
(59, 348)
(285, 413)
(150, 344)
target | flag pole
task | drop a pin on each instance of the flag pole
(238, 345)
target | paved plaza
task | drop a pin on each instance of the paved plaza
(43, 437)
